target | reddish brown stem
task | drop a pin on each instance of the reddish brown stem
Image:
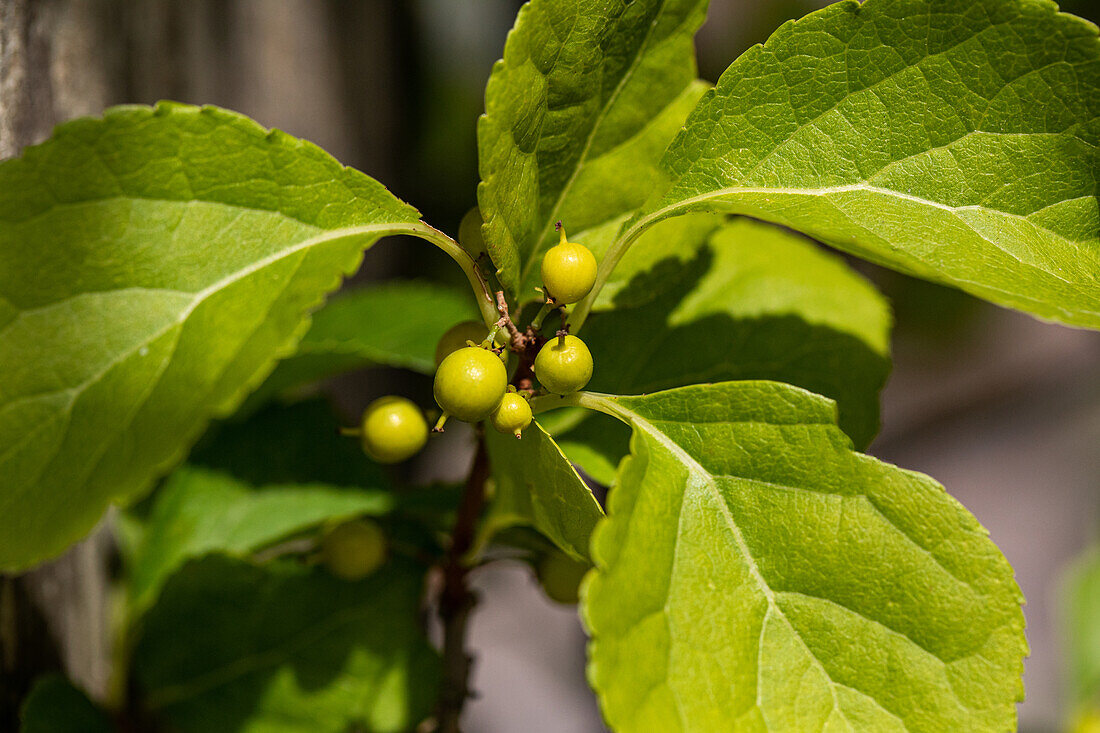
(506, 319)
(457, 600)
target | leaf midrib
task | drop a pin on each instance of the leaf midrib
(861, 186)
(200, 296)
(60, 205)
(319, 232)
(617, 409)
(694, 468)
(106, 441)
(631, 417)
(790, 487)
(683, 206)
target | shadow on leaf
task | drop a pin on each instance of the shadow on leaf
(703, 330)
(230, 645)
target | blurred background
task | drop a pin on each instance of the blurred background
(1000, 408)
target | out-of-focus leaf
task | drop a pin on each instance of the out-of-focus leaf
(234, 648)
(199, 511)
(287, 444)
(394, 324)
(1082, 623)
(55, 706)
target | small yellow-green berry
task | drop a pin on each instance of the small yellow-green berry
(353, 550)
(393, 429)
(1087, 722)
(456, 337)
(563, 365)
(568, 271)
(469, 233)
(512, 415)
(470, 383)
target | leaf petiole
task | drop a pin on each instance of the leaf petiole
(607, 266)
(589, 400)
(484, 296)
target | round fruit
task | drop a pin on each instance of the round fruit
(563, 367)
(393, 429)
(354, 550)
(568, 272)
(560, 576)
(470, 383)
(512, 415)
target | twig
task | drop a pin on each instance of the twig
(506, 321)
(457, 600)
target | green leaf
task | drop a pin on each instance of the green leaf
(648, 268)
(1082, 624)
(200, 511)
(756, 303)
(577, 114)
(153, 265)
(595, 443)
(55, 706)
(395, 324)
(286, 444)
(754, 573)
(250, 484)
(953, 140)
(535, 485)
(234, 648)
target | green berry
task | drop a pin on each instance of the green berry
(354, 550)
(512, 415)
(568, 271)
(564, 365)
(393, 429)
(560, 576)
(470, 383)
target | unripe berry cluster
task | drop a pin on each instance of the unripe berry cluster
(471, 378)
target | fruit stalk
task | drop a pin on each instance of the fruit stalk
(536, 322)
